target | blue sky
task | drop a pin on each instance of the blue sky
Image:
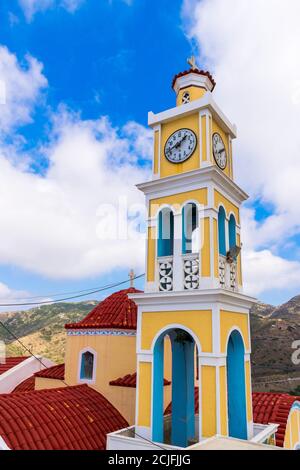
(98, 68)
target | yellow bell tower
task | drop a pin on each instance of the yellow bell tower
(193, 291)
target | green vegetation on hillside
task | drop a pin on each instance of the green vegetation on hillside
(41, 329)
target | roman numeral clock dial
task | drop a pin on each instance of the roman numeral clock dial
(219, 151)
(180, 145)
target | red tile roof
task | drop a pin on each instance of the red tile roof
(197, 71)
(11, 362)
(273, 408)
(54, 372)
(26, 386)
(268, 408)
(116, 311)
(69, 418)
(129, 381)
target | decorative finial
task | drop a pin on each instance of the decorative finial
(192, 62)
(131, 277)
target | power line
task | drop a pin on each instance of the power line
(101, 289)
(63, 380)
(25, 347)
(42, 296)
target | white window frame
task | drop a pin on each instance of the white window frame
(93, 379)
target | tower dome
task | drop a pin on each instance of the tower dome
(116, 311)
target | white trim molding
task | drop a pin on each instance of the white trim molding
(81, 352)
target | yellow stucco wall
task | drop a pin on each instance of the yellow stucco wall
(167, 168)
(156, 152)
(223, 400)
(229, 207)
(116, 357)
(292, 434)
(199, 322)
(217, 128)
(216, 249)
(145, 394)
(195, 92)
(151, 254)
(44, 383)
(248, 390)
(209, 423)
(230, 320)
(178, 200)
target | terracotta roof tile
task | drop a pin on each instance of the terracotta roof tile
(129, 381)
(11, 362)
(267, 408)
(197, 71)
(273, 408)
(26, 386)
(54, 372)
(69, 418)
(116, 311)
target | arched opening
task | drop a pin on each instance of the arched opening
(236, 388)
(165, 232)
(190, 229)
(87, 366)
(232, 232)
(221, 231)
(179, 428)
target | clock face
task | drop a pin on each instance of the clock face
(219, 151)
(180, 146)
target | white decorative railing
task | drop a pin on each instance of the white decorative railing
(191, 275)
(227, 273)
(222, 271)
(165, 271)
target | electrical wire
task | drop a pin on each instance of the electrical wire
(45, 302)
(46, 367)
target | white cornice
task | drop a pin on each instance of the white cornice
(206, 102)
(193, 79)
(198, 178)
(184, 298)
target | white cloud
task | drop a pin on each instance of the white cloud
(31, 7)
(264, 271)
(54, 224)
(21, 87)
(50, 224)
(252, 48)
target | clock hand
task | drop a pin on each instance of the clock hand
(177, 144)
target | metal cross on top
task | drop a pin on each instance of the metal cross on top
(131, 277)
(192, 62)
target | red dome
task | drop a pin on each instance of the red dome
(117, 311)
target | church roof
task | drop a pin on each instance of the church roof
(197, 71)
(268, 408)
(69, 418)
(11, 362)
(26, 386)
(53, 372)
(129, 380)
(116, 311)
(273, 408)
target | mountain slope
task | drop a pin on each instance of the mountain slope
(273, 330)
(41, 329)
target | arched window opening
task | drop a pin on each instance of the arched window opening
(165, 233)
(232, 232)
(190, 229)
(87, 366)
(236, 388)
(178, 425)
(221, 230)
